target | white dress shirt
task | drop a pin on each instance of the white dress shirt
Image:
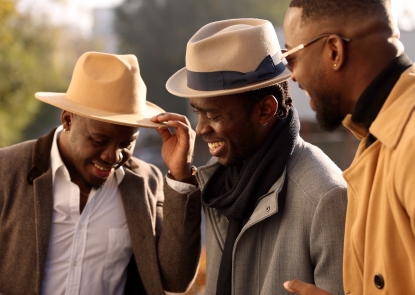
(88, 253)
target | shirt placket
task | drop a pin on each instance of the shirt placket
(79, 240)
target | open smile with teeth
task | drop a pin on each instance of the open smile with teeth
(215, 145)
(101, 168)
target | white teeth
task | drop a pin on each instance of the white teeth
(214, 145)
(100, 168)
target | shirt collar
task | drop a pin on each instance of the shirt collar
(57, 163)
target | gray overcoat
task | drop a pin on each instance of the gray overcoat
(166, 248)
(303, 240)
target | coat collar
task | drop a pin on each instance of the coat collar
(390, 123)
(41, 157)
(388, 126)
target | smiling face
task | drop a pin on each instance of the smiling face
(232, 134)
(312, 70)
(92, 150)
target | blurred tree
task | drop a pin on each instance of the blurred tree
(157, 32)
(27, 65)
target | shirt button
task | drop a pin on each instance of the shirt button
(75, 263)
(379, 281)
(268, 208)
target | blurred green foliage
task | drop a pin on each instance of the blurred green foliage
(157, 32)
(27, 65)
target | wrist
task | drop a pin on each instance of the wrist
(189, 179)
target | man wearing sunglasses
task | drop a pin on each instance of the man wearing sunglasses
(356, 73)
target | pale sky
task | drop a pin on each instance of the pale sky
(78, 12)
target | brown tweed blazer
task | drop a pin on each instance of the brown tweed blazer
(164, 225)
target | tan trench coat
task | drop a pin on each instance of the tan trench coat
(379, 252)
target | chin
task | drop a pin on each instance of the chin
(223, 161)
(95, 183)
(329, 122)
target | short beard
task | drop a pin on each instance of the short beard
(327, 107)
(328, 117)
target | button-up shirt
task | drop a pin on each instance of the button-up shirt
(88, 253)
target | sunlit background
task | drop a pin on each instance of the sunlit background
(40, 41)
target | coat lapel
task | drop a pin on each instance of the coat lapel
(141, 226)
(40, 176)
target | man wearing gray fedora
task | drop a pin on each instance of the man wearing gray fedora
(274, 204)
(78, 213)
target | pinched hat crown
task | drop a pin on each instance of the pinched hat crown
(230, 56)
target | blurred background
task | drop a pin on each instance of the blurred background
(40, 41)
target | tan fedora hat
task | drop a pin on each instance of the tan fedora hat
(108, 88)
(228, 57)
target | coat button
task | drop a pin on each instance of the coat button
(379, 281)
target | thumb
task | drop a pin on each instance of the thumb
(299, 287)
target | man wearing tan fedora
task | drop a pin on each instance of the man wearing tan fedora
(274, 204)
(78, 213)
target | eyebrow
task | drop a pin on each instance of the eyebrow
(206, 110)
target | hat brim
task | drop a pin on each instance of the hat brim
(59, 100)
(177, 85)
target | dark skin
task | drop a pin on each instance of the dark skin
(332, 68)
(223, 123)
(92, 150)
(347, 69)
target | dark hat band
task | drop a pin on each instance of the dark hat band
(208, 81)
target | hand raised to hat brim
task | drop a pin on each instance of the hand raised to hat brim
(299, 287)
(177, 148)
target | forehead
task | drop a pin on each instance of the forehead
(218, 103)
(295, 30)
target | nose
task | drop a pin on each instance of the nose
(112, 155)
(203, 126)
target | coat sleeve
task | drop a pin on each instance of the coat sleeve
(327, 240)
(179, 243)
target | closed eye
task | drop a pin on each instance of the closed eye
(207, 117)
(98, 141)
(127, 145)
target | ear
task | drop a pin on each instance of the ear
(268, 107)
(66, 120)
(336, 51)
